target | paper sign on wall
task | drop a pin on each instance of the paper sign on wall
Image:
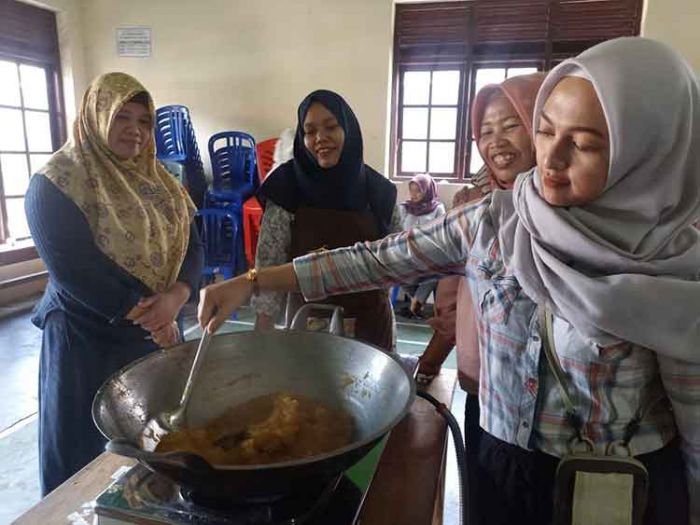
(134, 41)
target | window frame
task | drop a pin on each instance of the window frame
(463, 35)
(56, 116)
(29, 35)
(460, 123)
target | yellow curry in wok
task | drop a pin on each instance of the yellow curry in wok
(269, 429)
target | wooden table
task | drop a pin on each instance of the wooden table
(407, 486)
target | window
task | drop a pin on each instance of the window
(26, 142)
(429, 121)
(30, 110)
(445, 52)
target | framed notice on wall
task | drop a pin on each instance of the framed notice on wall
(134, 41)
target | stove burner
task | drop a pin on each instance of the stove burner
(149, 495)
(297, 508)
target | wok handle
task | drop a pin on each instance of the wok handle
(183, 460)
(336, 327)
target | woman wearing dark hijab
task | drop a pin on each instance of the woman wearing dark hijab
(327, 197)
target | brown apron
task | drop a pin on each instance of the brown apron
(315, 228)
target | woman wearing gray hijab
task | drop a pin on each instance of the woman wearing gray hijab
(594, 251)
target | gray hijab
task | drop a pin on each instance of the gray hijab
(625, 267)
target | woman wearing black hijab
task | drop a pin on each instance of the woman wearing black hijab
(327, 197)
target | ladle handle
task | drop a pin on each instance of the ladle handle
(194, 371)
(336, 326)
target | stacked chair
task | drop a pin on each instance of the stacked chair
(176, 147)
(252, 210)
(234, 172)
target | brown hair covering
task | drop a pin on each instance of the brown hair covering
(520, 91)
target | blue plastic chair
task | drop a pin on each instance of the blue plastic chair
(395, 295)
(218, 230)
(233, 166)
(176, 143)
(172, 123)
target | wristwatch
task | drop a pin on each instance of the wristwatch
(252, 277)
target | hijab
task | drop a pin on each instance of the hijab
(139, 215)
(521, 92)
(430, 199)
(350, 185)
(626, 266)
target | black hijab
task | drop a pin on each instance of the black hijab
(350, 185)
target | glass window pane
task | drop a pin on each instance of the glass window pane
(34, 91)
(442, 157)
(416, 87)
(16, 219)
(11, 130)
(15, 176)
(37, 161)
(517, 71)
(38, 131)
(488, 76)
(413, 156)
(9, 84)
(415, 123)
(443, 123)
(445, 87)
(475, 160)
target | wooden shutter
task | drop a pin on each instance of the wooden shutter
(595, 20)
(432, 33)
(448, 31)
(511, 21)
(28, 32)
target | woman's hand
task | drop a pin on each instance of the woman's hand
(160, 310)
(218, 301)
(167, 336)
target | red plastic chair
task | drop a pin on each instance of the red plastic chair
(252, 211)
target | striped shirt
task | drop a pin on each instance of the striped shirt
(519, 397)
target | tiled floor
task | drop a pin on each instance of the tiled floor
(20, 342)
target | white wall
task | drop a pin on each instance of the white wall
(676, 22)
(242, 64)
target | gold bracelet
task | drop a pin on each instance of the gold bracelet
(252, 277)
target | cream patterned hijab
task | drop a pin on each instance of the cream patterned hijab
(625, 267)
(138, 213)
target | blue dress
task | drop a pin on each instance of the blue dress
(86, 338)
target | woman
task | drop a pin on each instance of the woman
(326, 197)
(422, 207)
(502, 123)
(590, 236)
(115, 231)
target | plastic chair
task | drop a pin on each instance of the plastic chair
(218, 231)
(233, 167)
(395, 295)
(265, 151)
(252, 210)
(171, 133)
(176, 143)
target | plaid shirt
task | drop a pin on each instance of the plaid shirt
(519, 397)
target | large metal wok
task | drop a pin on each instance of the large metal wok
(341, 372)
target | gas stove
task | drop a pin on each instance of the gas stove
(142, 497)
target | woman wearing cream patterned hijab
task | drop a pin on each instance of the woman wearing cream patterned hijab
(134, 207)
(115, 231)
